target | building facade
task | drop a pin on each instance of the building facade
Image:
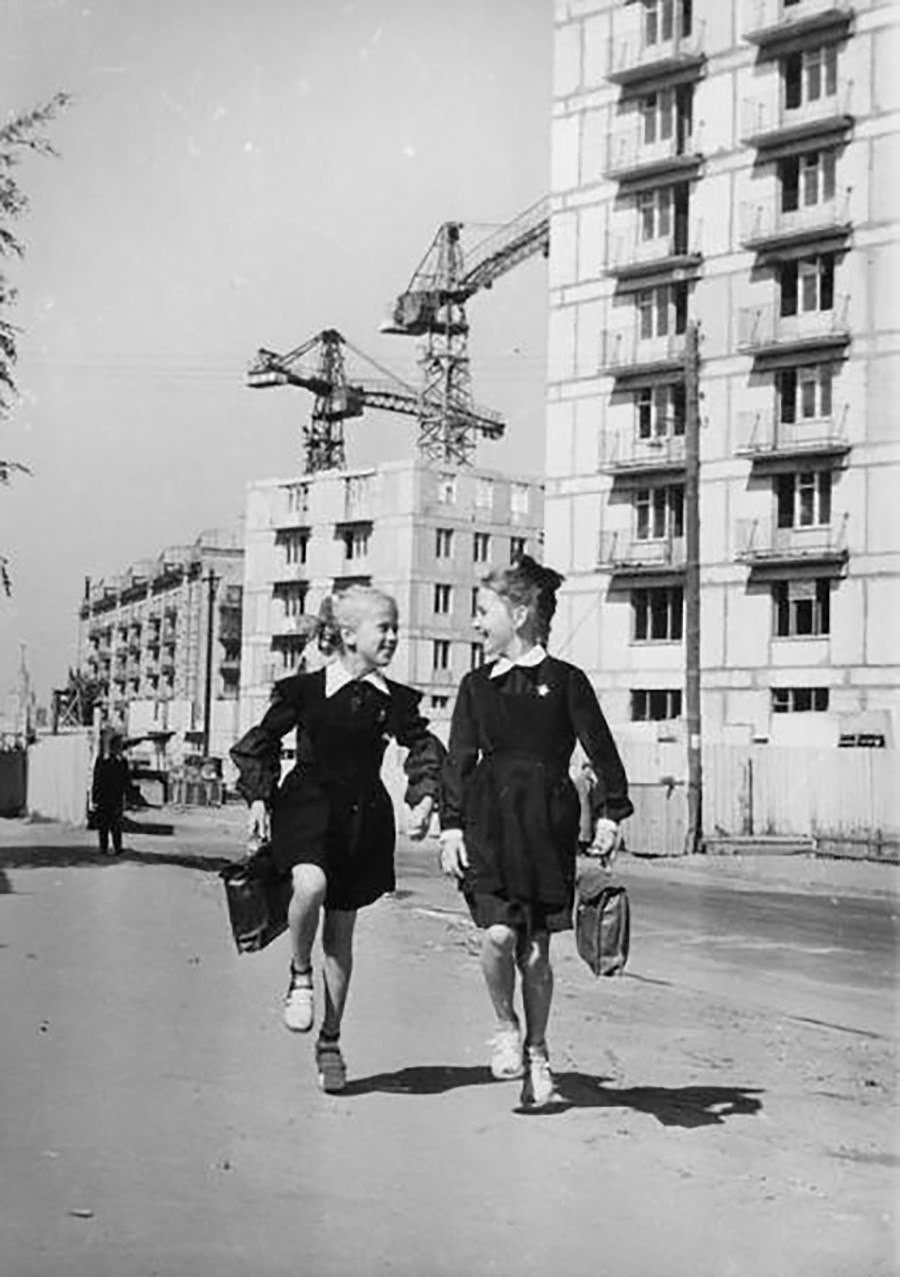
(424, 535)
(149, 636)
(732, 166)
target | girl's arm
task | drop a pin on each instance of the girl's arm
(257, 755)
(425, 753)
(462, 756)
(609, 797)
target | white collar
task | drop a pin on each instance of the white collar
(533, 656)
(337, 676)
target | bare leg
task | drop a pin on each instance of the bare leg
(337, 946)
(498, 965)
(303, 913)
(533, 961)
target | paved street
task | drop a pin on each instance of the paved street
(730, 1102)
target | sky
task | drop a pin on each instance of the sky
(231, 176)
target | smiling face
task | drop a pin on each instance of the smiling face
(499, 623)
(371, 635)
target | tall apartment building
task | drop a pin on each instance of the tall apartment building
(145, 636)
(733, 165)
(425, 535)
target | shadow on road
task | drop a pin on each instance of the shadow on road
(68, 857)
(685, 1106)
(421, 1079)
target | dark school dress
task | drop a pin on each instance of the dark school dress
(332, 808)
(506, 785)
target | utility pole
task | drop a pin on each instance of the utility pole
(211, 582)
(694, 832)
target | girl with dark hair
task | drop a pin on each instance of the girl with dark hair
(510, 812)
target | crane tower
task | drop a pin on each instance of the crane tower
(433, 307)
(321, 366)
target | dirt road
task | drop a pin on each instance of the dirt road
(157, 1118)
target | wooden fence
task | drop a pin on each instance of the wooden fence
(59, 770)
(841, 802)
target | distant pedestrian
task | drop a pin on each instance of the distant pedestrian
(331, 821)
(109, 789)
(510, 812)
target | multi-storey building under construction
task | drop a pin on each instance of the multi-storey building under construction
(731, 166)
(162, 639)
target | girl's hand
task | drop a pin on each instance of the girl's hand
(454, 859)
(258, 826)
(419, 819)
(607, 840)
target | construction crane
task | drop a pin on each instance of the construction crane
(434, 307)
(321, 367)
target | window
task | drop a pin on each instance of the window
(655, 213)
(356, 543)
(519, 498)
(807, 180)
(295, 547)
(799, 700)
(476, 655)
(653, 705)
(440, 658)
(474, 601)
(659, 512)
(298, 498)
(443, 543)
(294, 602)
(658, 614)
(663, 215)
(439, 701)
(802, 608)
(666, 19)
(484, 494)
(660, 410)
(516, 548)
(803, 500)
(442, 595)
(291, 654)
(662, 311)
(807, 285)
(481, 547)
(666, 117)
(809, 76)
(805, 394)
(447, 489)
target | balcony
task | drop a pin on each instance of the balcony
(299, 626)
(627, 454)
(761, 545)
(623, 554)
(763, 330)
(630, 256)
(637, 54)
(625, 355)
(770, 22)
(631, 156)
(766, 121)
(765, 227)
(763, 437)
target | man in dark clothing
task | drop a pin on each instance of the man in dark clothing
(108, 792)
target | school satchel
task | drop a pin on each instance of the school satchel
(257, 894)
(602, 922)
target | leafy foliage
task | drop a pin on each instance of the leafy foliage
(20, 135)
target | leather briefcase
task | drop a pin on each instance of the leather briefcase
(257, 894)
